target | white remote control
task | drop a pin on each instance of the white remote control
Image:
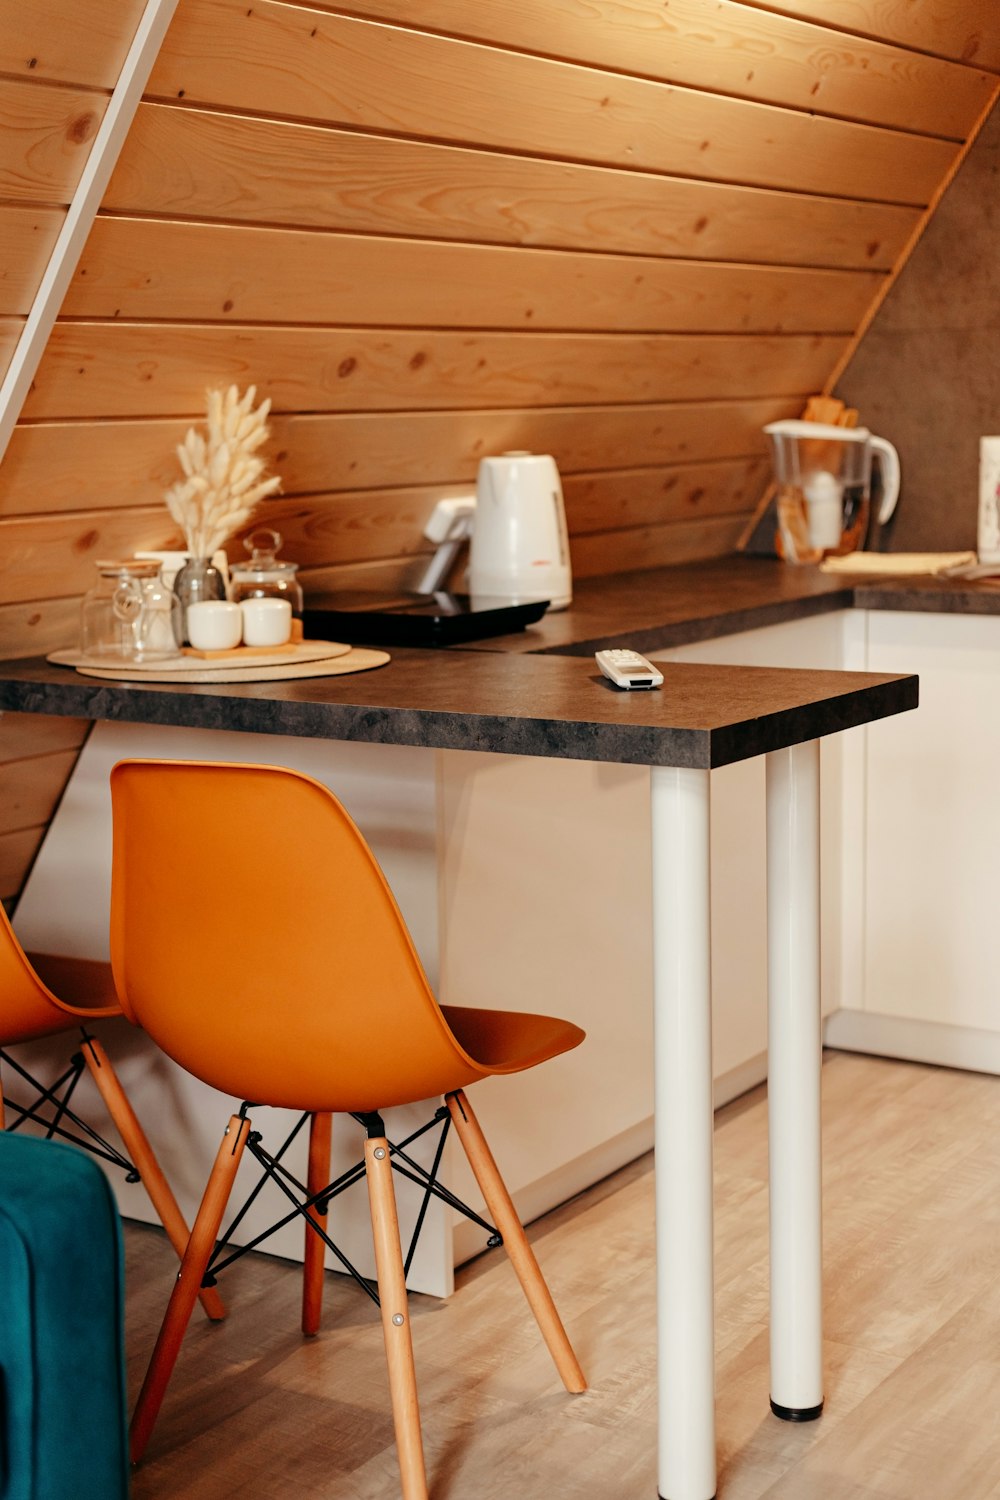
(627, 669)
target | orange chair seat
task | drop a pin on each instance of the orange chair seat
(472, 1044)
(507, 1041)
(81, 989)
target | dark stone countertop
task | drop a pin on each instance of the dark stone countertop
(541, 705)
(675, 606)
(940, 596)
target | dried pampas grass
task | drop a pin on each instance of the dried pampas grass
(223, 477)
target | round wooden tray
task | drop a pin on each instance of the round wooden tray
(310, 659)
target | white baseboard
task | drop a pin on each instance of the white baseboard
(738, 1080)
(916, 1041)
(538, 1197)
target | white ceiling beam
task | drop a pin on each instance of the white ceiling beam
(82, 210)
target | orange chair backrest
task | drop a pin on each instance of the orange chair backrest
(27, 1008)
(255, 938)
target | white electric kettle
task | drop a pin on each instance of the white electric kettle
(520, 548)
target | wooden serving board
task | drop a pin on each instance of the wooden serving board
(236, 654)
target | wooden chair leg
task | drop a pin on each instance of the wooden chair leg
(314, 1257)
(395, 1320)
(185, 1292)
(522, 1257)
(136, 1142)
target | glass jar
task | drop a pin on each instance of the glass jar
(129, 616)
(264, 575)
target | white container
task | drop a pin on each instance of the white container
(520, 547)
(266, 622)
(988, 533)
(214, 625)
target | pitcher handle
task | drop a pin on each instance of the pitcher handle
(889, 467)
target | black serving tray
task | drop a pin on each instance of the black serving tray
(441, 619)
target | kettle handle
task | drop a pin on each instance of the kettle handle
(889, 466)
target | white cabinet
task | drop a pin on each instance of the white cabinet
(931, 826)
(545, 906)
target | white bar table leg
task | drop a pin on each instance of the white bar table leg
(795, 1053)
(683, 1062)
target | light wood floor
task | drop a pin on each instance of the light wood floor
(912, 1310)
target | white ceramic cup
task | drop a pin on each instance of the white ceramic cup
(266, 622)
(214, 625)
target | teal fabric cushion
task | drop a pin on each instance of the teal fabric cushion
(62, 1371)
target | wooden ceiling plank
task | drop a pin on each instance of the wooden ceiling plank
(40, 625)
(654, 546)
(22, 735)
(31, 789)
(27, 236)
(100, 369)
(188, 164)
(633, 497)
(64, 466)
(609, 552)
(17, 851)
(10, 332)
(45, 139)
(383, 79)
(153, 269)
(48, 557)
(85, 42)
(728, 47)
(352, 526)
(965, 30)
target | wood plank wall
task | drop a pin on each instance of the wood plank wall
(627, 233)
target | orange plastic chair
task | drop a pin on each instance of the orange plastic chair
(31, 1009)
(329, 1011)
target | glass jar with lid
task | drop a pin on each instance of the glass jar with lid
(264, 575)
(129, 616)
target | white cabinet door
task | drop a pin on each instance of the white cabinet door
(932, 808)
